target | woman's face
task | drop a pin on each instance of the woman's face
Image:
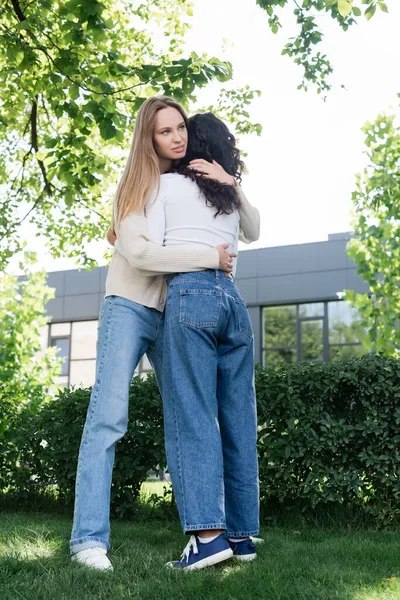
(170, 135)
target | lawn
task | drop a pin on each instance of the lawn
(293, 564)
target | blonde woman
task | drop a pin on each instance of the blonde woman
(208, 376)
(131, 319)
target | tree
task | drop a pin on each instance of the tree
(73, 76)
(302, 48)
(375, 246)
(26, 369)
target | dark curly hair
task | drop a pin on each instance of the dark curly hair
(209, 138)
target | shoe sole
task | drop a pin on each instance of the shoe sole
(207, 562)
(245, 557)
(210, 560)
(89, 566)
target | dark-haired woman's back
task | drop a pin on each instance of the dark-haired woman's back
(208, 390)
(181, 216)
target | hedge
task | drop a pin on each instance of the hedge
(329, 434)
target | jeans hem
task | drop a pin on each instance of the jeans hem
(202, 527)
(242, 534)
(87, 542)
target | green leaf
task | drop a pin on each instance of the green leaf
(107, 129)
(356, 11)
(74, 91)
(344, 7)
(22, 25)
(370, 11)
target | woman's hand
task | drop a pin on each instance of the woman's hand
(111, 237)
(212, 171)
(225, 258)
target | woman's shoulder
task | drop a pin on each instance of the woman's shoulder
(177, 181)
(172, 178)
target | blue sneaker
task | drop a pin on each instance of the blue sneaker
(197, 555)
(244, 550)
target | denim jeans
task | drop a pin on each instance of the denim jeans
(126, 331)
(209, 404)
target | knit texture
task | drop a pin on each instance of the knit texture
(139, 266)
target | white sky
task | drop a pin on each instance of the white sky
(302, 168)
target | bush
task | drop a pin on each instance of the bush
(329, 435)
(49, 446)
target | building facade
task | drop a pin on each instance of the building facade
(291, 293)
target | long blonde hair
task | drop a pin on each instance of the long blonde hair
(142, 170)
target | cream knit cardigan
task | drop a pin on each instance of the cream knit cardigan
(139, 266)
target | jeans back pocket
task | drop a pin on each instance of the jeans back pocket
(243, 316)
(200, 308)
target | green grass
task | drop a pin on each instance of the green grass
(306, 563)
(154, 487)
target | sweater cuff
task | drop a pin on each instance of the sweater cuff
(214, 258)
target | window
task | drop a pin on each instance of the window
(63, 352)
(314, 332)
(77, 347)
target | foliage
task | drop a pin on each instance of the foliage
(375, 246)
(73, 76)
(50, 453)
(302, 48)
(26, 370)
(329, 434)
(24, 366)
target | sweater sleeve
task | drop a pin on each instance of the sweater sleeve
(151, 258)
(249, 219)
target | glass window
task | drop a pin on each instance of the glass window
(60, 329)
(298, 332)
(343, 351)
(279, 358)
(314, 309)
(344, 326)
(63, 352)
(82, 373)
(279, 326)
(311, 340)
(83, 339)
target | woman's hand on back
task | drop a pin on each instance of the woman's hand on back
(225, 258)
(212, 171)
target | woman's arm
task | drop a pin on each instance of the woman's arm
(140, 242)
(249, 219)
(151, 258)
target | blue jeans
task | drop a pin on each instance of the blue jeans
(209, 404)
(126, 332)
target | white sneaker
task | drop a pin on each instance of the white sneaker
(257, 540)
(96, 558)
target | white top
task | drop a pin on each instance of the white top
(180, 216)
(138, 266)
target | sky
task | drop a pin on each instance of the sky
(301, 170)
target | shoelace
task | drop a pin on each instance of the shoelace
(191, 545)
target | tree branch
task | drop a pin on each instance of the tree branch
(35, 146)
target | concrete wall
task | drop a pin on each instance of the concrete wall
(280, 275)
